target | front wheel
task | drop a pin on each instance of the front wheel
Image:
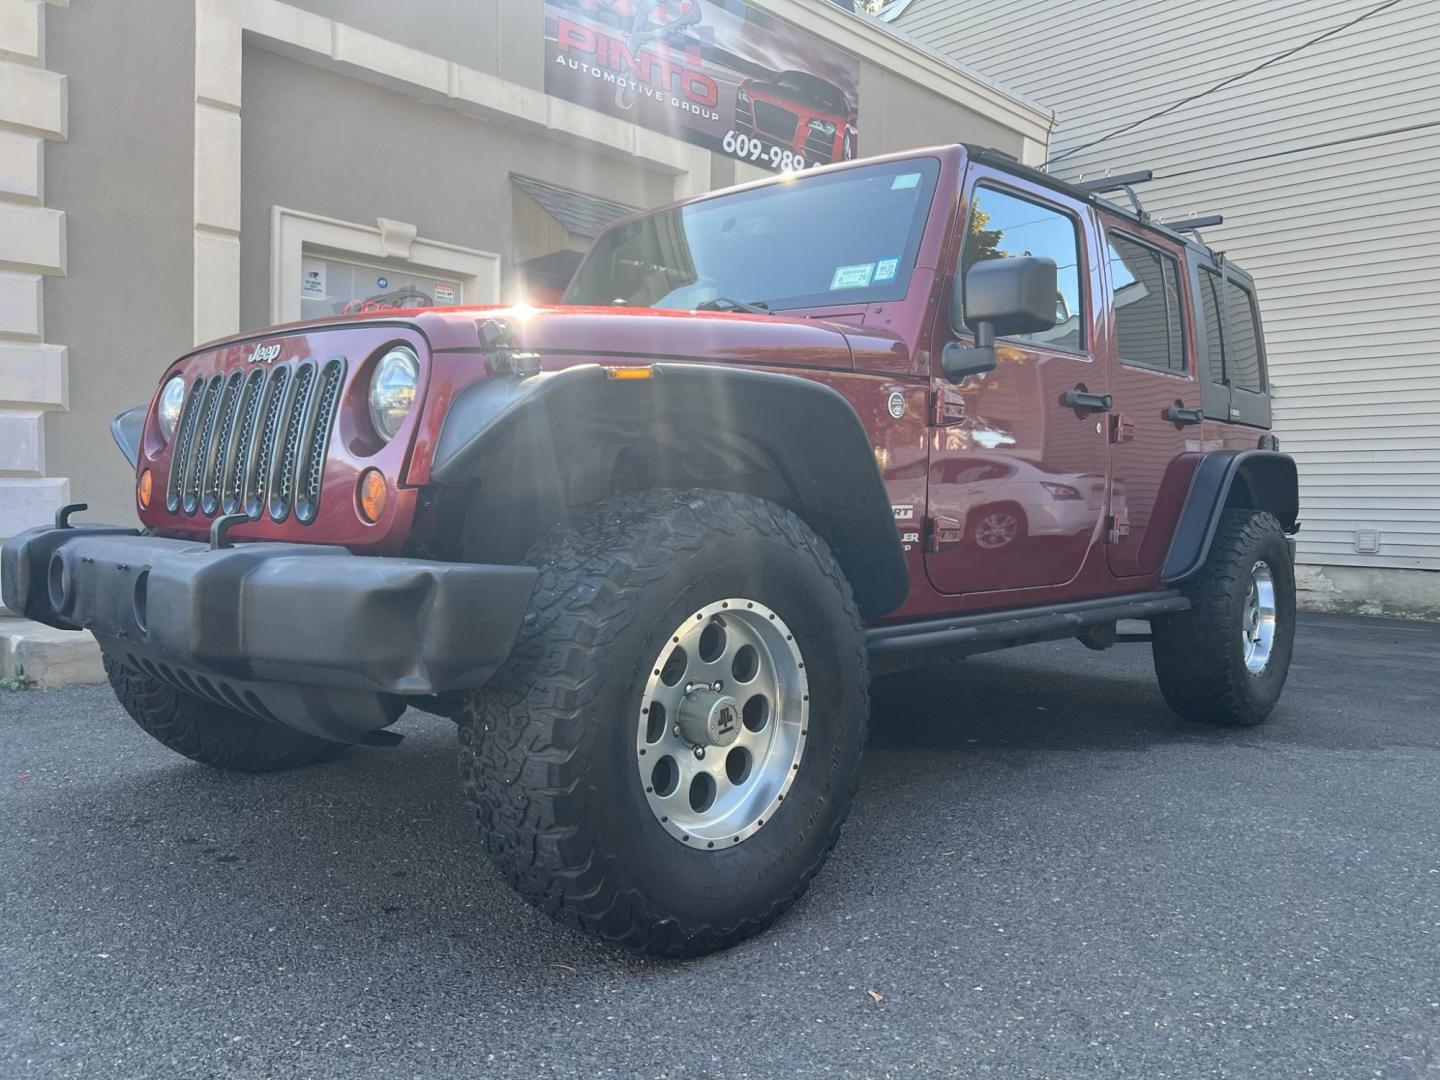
(1225, 660)
(668, 756)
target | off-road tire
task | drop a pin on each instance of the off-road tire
(218, 737)
(1199, 657)
(547, 747)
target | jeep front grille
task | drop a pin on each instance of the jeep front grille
(231, 496)
(184, 438)
(195, 463)
(307, 497)
(255, 442)
(214, 473)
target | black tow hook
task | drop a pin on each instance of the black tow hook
(220, 529)
(62, 516)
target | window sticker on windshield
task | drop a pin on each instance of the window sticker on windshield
(885, 269)
(852, 277)
(905, 180)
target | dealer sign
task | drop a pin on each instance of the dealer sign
(713, 72)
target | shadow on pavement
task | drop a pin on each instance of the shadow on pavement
(985, 702)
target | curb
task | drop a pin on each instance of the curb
(48, 656)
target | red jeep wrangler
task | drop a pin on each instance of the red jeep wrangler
(647, 548)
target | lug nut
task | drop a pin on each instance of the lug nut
(699, 753)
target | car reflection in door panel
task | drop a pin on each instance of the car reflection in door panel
(1009, 499)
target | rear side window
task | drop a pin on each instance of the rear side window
(1004, 226)
(1213, 308)
(1243, 357)
(1149, 328)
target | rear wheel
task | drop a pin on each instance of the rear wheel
(1225, 660)
(667, 757)
(209, 733)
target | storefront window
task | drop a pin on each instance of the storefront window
(337, 287)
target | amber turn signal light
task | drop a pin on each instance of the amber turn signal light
(145, 488)
(372, 495)
(629, 373)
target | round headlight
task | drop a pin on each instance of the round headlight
(171, 399)
(392, 390)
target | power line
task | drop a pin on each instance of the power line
(1298, 150)
(1226, 82)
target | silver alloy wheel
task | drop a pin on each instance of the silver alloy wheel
(996, 529)
(1257, 627)
(723, 723)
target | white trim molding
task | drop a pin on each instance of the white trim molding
(34, 375)
(295, 234)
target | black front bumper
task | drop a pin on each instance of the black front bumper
(307, 635)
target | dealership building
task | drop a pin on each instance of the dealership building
(176, 170)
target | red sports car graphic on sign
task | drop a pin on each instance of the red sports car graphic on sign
(805, 113)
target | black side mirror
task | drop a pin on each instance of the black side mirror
(1000, 296)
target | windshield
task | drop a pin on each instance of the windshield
(835, 238)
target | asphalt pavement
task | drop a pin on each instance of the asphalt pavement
(1046, 874)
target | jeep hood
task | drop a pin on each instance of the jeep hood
(646, 334)
(598, 333)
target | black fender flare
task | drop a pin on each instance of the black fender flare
(807, 432)
(1263, 479)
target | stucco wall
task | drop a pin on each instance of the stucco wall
(323, 143)
(499, 37)
(897, 114)
(124, 180)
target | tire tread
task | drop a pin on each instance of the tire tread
(210, 734)
(1198, 667)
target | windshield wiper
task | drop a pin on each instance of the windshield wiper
(724, 303)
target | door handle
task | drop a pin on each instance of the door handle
(1179, 414)
(1083, 401)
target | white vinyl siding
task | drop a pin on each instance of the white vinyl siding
(1341, 239)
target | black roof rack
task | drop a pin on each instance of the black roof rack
(1116, 183)
(1195, 224)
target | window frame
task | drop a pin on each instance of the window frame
(1262, 369)
(1220, 399)
(1082, 265)
(296, 235)
(1186, 349)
